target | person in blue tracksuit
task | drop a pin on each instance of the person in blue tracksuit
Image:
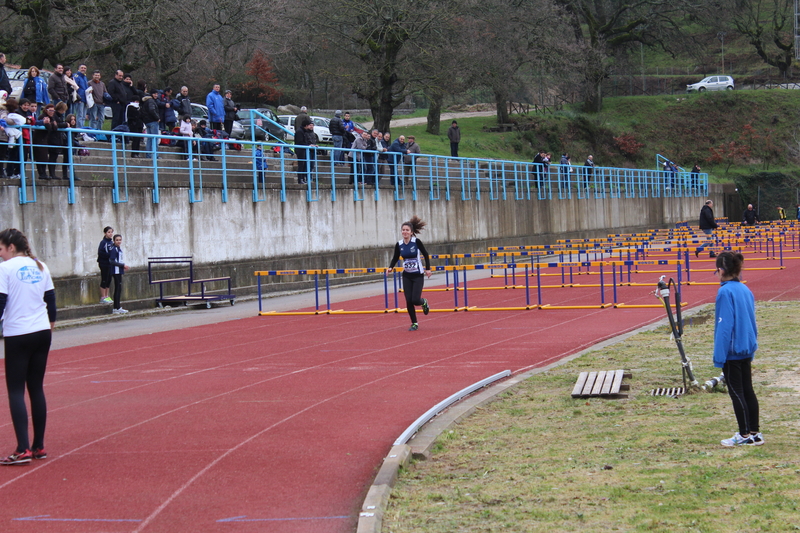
(413, 253)
(216, 108)
(735, 344)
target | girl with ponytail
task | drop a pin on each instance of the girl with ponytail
(411, 249)
(28, 308)
(735, 344)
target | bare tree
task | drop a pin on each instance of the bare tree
(607, 27)
(769, 27)
(385, 37)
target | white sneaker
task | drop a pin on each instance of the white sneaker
(119, 311)
(738, 440)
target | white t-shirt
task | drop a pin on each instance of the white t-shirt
(25, 285)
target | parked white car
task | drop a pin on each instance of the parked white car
(320, 127)
(712, 83)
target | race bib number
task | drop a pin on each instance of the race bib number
(410, 265)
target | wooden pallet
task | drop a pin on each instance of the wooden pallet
(602, 384)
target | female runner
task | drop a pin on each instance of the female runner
(413, 251)
(28, 306)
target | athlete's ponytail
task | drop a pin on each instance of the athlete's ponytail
(20, 241)
(416, 224)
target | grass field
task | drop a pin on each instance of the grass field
(538, 460)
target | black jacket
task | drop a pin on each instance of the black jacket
(149, 110)
(750, 217)
(707, 218)
(5, 85)
(336, 126)
(116, 88)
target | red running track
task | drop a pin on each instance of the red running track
(279, 423)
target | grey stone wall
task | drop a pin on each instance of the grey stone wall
(240, 236)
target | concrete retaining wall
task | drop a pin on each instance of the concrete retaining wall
(239, 236)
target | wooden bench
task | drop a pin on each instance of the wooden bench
(601, 384)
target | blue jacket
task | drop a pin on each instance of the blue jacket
(261, 161)
(399, 148)
(42, 97)
(83, 84)
(735, 331)
(216, 107)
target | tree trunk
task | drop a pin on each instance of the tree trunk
(594, 96)
(434, 114)
(501, 104)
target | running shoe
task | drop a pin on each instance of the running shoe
(738, 440)
(758, 439)
(425, 308)
(414, 327)
(17, 458)
(712, 254)
(697, 253)
(39, 453)
(119, 311)
(107, 300)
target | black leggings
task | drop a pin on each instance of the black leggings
(740, 388)
(117, 290)
(412, 288)
(26, 362)
(105, 276)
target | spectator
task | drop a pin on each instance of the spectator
(119, 99)
(798, 211)
(750, 217)
(5, 84)
(206, 147)
(305, 156)
(55, 140)
(166, 110)
(79, 105)
(149, 115)
(336, 128)
(116, 258)
(97, 111)
(349, 131)
(188, 131)
(57, 87)
(141, 89)
(396, 152)
(358, 160)
(41, 139)
(231, 109)
(707, 226)
(35, 88)
(216, 108)
(588, 171)
(68, 148)
(454, 134)
(11, 114)
(103, 251)
(184, 102)
(384, 141)
(410, 159)
(301, 119)
(370, 159)
(127, 84)
(133, 117)
(695, 176)
(72, 88)
(563, 171)
(261, 163)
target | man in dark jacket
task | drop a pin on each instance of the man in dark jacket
(707, 225)
(184, 103)
(150, 116)
(336, 128)
(119, 99)
(57, 87)
(307, 155)
(5, 85)
(750, 217)
(454, 135)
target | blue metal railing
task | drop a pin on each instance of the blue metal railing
(197, 162)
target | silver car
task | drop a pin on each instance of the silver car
(712, 83)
